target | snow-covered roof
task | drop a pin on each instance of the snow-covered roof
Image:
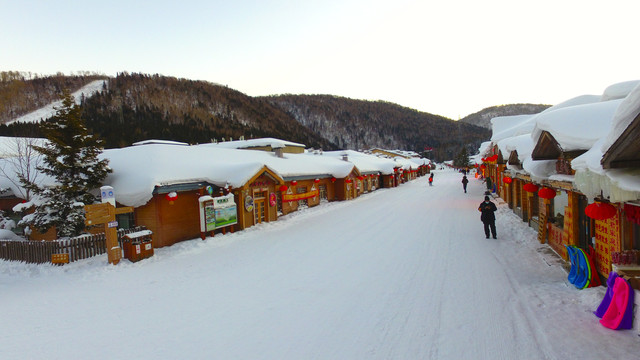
(365, 163)
(523, 144)
(619, 90)
(262, 142)
(577, 127)
(507, 126)
(138, 169)
(617, 184)
(165, 142)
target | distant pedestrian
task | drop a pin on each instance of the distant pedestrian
(488, 217)
(431, 179)
(465, 181)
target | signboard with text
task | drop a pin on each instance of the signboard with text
(607, 241)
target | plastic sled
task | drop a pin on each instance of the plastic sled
(619, 315)
(604, 305)
(594, 279)
(574, 264)
(584, 272)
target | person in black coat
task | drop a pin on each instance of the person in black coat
(488, 217)
(465, 181)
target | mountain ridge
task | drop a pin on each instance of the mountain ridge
(135, 107)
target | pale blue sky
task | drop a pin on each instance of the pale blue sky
(447, 57)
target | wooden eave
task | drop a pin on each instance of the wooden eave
(267, 172)
(625, 151)
(501, 159)
(513, 158)
(547, 148)
(558, 184)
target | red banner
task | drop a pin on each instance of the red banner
(296, 197)
(607, 241)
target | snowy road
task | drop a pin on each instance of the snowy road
(401, 273)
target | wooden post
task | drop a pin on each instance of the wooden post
(105, 213)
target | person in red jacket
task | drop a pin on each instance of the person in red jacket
(431, 179)
(488, 217)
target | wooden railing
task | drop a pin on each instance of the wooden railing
(77, 248)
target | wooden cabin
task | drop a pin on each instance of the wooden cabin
(177, 218)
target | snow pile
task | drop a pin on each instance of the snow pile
(262, 142)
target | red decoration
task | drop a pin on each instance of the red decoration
(294, 183)
(316, 181)
(547, 193)
(483, 166)
(283, 187)
(507, 180)
(530, 187)
(600, 211)
(632, 213)
(333, 179)
(360, 178)
(348, 181)
(172, 196)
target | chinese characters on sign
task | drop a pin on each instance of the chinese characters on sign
(607, 241)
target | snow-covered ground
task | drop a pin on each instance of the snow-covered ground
(402, 273)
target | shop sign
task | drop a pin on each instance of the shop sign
(248, 203)
(209, 216)
(226, 216)
(302, 196)
(225, 211)
(607, 241)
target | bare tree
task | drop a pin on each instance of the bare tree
(21, 160)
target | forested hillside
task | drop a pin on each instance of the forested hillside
(135, 107)
(23, 92)
(358, 124)
(484, 116)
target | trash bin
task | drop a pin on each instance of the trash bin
(138, 245)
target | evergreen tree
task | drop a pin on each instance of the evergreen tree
(71, 158)
(462, 159)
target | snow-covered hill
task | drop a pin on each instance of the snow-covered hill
(50, 110)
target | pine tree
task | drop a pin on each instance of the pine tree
(462, 159)
(71, 158)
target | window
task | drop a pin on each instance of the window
(125, 221)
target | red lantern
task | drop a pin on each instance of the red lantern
(600, 211)
(632, 213)
(283, 187)
(172, 196)
(316, 181)
(530, 187)
(348, 181)
(360, 178)
(294, 183)
(507, 180)
(333, 179)
(547, 193)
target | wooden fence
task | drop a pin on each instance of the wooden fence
(38, 252)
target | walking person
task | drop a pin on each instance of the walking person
(488, 217)
(431, 179)
(465, 181)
